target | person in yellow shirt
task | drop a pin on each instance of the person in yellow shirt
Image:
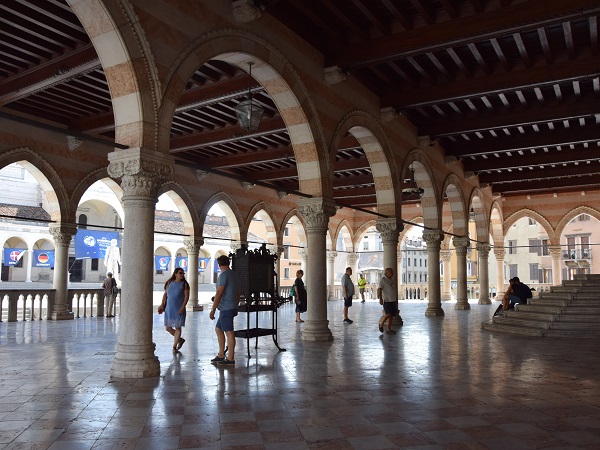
(362, 283)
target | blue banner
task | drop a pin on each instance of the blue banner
(93, 244)
(162, 262)
(43, 258)
(203, 264)
(13, 255)
(216, 266)
(181, 262)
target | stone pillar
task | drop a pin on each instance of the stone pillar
(499, 253)
(316, 213)
(141, 172)
(62, 234)
(483, 250)
(331, 273)
(389, 229)
(303, 252)
(278, 250)
(193, 250)
(29, 254)
(352, 260)
(446, 256)
(399, 271)
(433, 238)
(460, 247)
(556, 253)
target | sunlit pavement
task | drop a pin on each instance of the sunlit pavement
(441, 382)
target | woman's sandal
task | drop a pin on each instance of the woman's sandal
(180, 343)
(175, 350)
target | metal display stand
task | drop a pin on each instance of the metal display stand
(259, 289)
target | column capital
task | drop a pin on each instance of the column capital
(446, 255)
(62, 233)
(483, 248)
(351, 258)
(555, 251)
(389, 229)
(316, 212)
(433, 238)
(499, 253)
(461, 243)
(141, 171)
(245, 11)
(193, 244)
(303, 252)
(331, 255)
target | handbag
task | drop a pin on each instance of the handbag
(292, 291)
(115, 290)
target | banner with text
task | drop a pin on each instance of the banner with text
(162, 262)
(93, 244)
(43, 258)
(181, 262)
(203, 264)
(13, 255)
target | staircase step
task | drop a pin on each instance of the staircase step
(575, 326)
(505, 328)
(583, 309)
(533, 315)
(572, 333)
(540, 309)
(547, 302)
(574, 317)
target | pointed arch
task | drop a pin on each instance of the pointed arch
(425, 179)
(456, 201)
(361, 231)
(100, 174)
(477, 203)
(526, 212)
(185, 205)
(266, 214)
(583, 209)
(496, 220)
(232, 213)
(296, 219)
(347, 236)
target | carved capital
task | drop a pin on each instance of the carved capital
(331, 256)
(389, 229)
(245, 11)
(316, 212)
(62, 233)
(142, 172)
(303, 252)
(334, 75)
(433, 238)
(555, 251)
(193, 244)
(201, 174)
(483, 249)
(352, 258)
(388, 114)
(446, 255)
(499, 253)
(461, 244)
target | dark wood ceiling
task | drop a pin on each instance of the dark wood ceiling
(508, 87)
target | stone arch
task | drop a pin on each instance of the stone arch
(425, 179)
(185, 205)
(510, 220)
(456, 202)
(232, 213)
(361, 231)
(46, 176)
(496, 221)
(126, 58)
(100, 174)
(346, 236)
(298, 225)
(476, 202)
(374, 142)
(266, 215)
(278, 77)
(570, 216)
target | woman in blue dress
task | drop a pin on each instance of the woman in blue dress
(174, 301)
(301, 297)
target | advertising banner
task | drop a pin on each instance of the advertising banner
(43, 258)
(203, 264)
(93, 244)
(181, 262)
(162, 262)
(13, 255)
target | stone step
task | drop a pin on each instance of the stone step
(540, 308)
(576, 309)
(574, 317)
(572, 333)
(521, 322)
(532, 315)
(575, 326)
(548, 302)
(506, 328)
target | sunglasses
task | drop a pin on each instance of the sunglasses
(179, 273)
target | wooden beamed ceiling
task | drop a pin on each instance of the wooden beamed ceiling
(508, 87)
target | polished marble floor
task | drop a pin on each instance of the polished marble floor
(440, 383)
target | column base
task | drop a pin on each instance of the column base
(434, 311)
(316, 330)
(397, 320)
(62, 315)
(135, 361)
(462, 306)
(484, 301)
(196, 308)
(446, 298)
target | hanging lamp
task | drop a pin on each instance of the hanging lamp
(248, 112)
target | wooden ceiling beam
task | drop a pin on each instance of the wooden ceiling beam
(562, 137)
(535, 77)
(590, 181)
(478, 27)
(536, 173)
(250, 158)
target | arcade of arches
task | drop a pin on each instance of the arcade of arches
(147, 70)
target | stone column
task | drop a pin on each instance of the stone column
(278, 250)
(141, 172)
(303, 252)
(331, 274)
(499, 253)
(316, 213)
(483, 250)
(446, 256)
(460, 247)
(399, 276)
(62, 234)
(29, 254)
(556, 253)
(193, 250)
(433, 238)
(389, 230)
(352, 260)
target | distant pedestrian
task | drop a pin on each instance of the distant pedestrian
(362, 284)
(387, 294)
(110, 293)
(301, 297)
(174, 301)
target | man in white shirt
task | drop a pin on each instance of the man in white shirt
(387, 294)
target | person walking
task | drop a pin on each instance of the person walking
(226, 301)
(301, 297)
(174, 301)
(110, 293)
(362, 284)
(386, 293)
(348, 291)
